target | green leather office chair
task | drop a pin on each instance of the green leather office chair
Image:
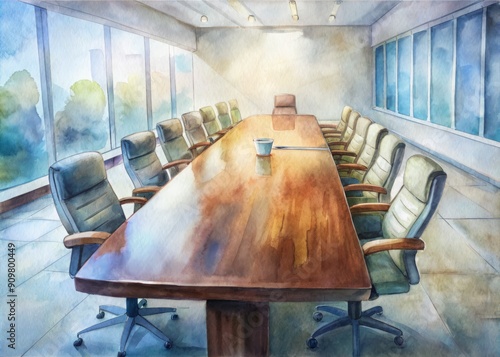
(377, 182)
(143, 165)
(174, 144)
(340, 126)
(212, 126)
(223, 115)
(351, 150)
(284, 104)
(336, 140)
(235, 111)
(90, 211)
(390, 236)
(364, 161)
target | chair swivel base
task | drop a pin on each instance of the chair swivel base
(131, 316)
(354, 317)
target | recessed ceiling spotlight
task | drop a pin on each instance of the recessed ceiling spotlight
(293, 9)
(331, 18)
(204, 18)
(251, 18)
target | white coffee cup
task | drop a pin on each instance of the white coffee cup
(263, 146)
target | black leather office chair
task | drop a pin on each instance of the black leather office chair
(90, 211)
(143, 165)
(395, 227)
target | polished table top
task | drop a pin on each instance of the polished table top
(234, 226)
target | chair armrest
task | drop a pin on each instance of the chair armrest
(176, 163)
(369, 207)
(139, 200)
(343, 152)
(332, 134)
(381, 245)
(365, 187)
(81, 238)
(200, 144)
(351, 167)
(328, 126)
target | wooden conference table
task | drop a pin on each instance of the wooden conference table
(240, 231)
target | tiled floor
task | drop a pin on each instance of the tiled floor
(454, 311)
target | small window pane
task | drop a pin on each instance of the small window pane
(492, 75)
(468, 79)
(184, 81)
(404, 69)
(78, 85)
(441, 73)
(23, 153)
(129, 83)
(160, 81)
(379, 77)
(420, 78)
(390, 59)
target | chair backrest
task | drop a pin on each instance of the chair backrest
(193, 125)
(359, 137)
(223, 115)
(413, 207)
(209, 120)
(370, 150)
(284, 104)
(141, 161)
(384, 170)
(351, 126)
(344, 117)
(173, 143)
(235, 111)
(84, 200)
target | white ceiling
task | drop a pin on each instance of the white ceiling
(272, 13)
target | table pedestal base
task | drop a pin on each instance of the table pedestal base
(237, 328)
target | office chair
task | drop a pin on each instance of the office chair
(174, 144)
(340, 126)
(284, 104)
(338, 140)
(397, 228)
(90, 211)
(235, 111)
(212, 126)
(143, 165)
(223, 115)
(352, 149)
(364, 161)
(377, 182)
(196, 135)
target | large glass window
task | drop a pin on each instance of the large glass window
(442, 73)
(78, 85)
(129, 83)
(160, 81)
(468, 76)
(379, 77)
(492, 74)
(23, 153)
(404, 71)
(390, 58)
(420, 77)
(183, 81)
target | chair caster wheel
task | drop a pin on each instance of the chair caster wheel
(100, 315)
(78, 342)
(399, 340)
(121, 354)
(317, 316)
(168, 345)
(312, 343)
(174, 317)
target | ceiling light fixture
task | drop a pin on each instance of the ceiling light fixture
(293, 9)
(333, 15)
(204, 18)
(251, 18)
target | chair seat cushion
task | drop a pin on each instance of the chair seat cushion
(386, 277)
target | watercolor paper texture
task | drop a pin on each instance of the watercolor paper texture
(78, 76)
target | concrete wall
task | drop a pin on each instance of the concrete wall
(325, 67)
